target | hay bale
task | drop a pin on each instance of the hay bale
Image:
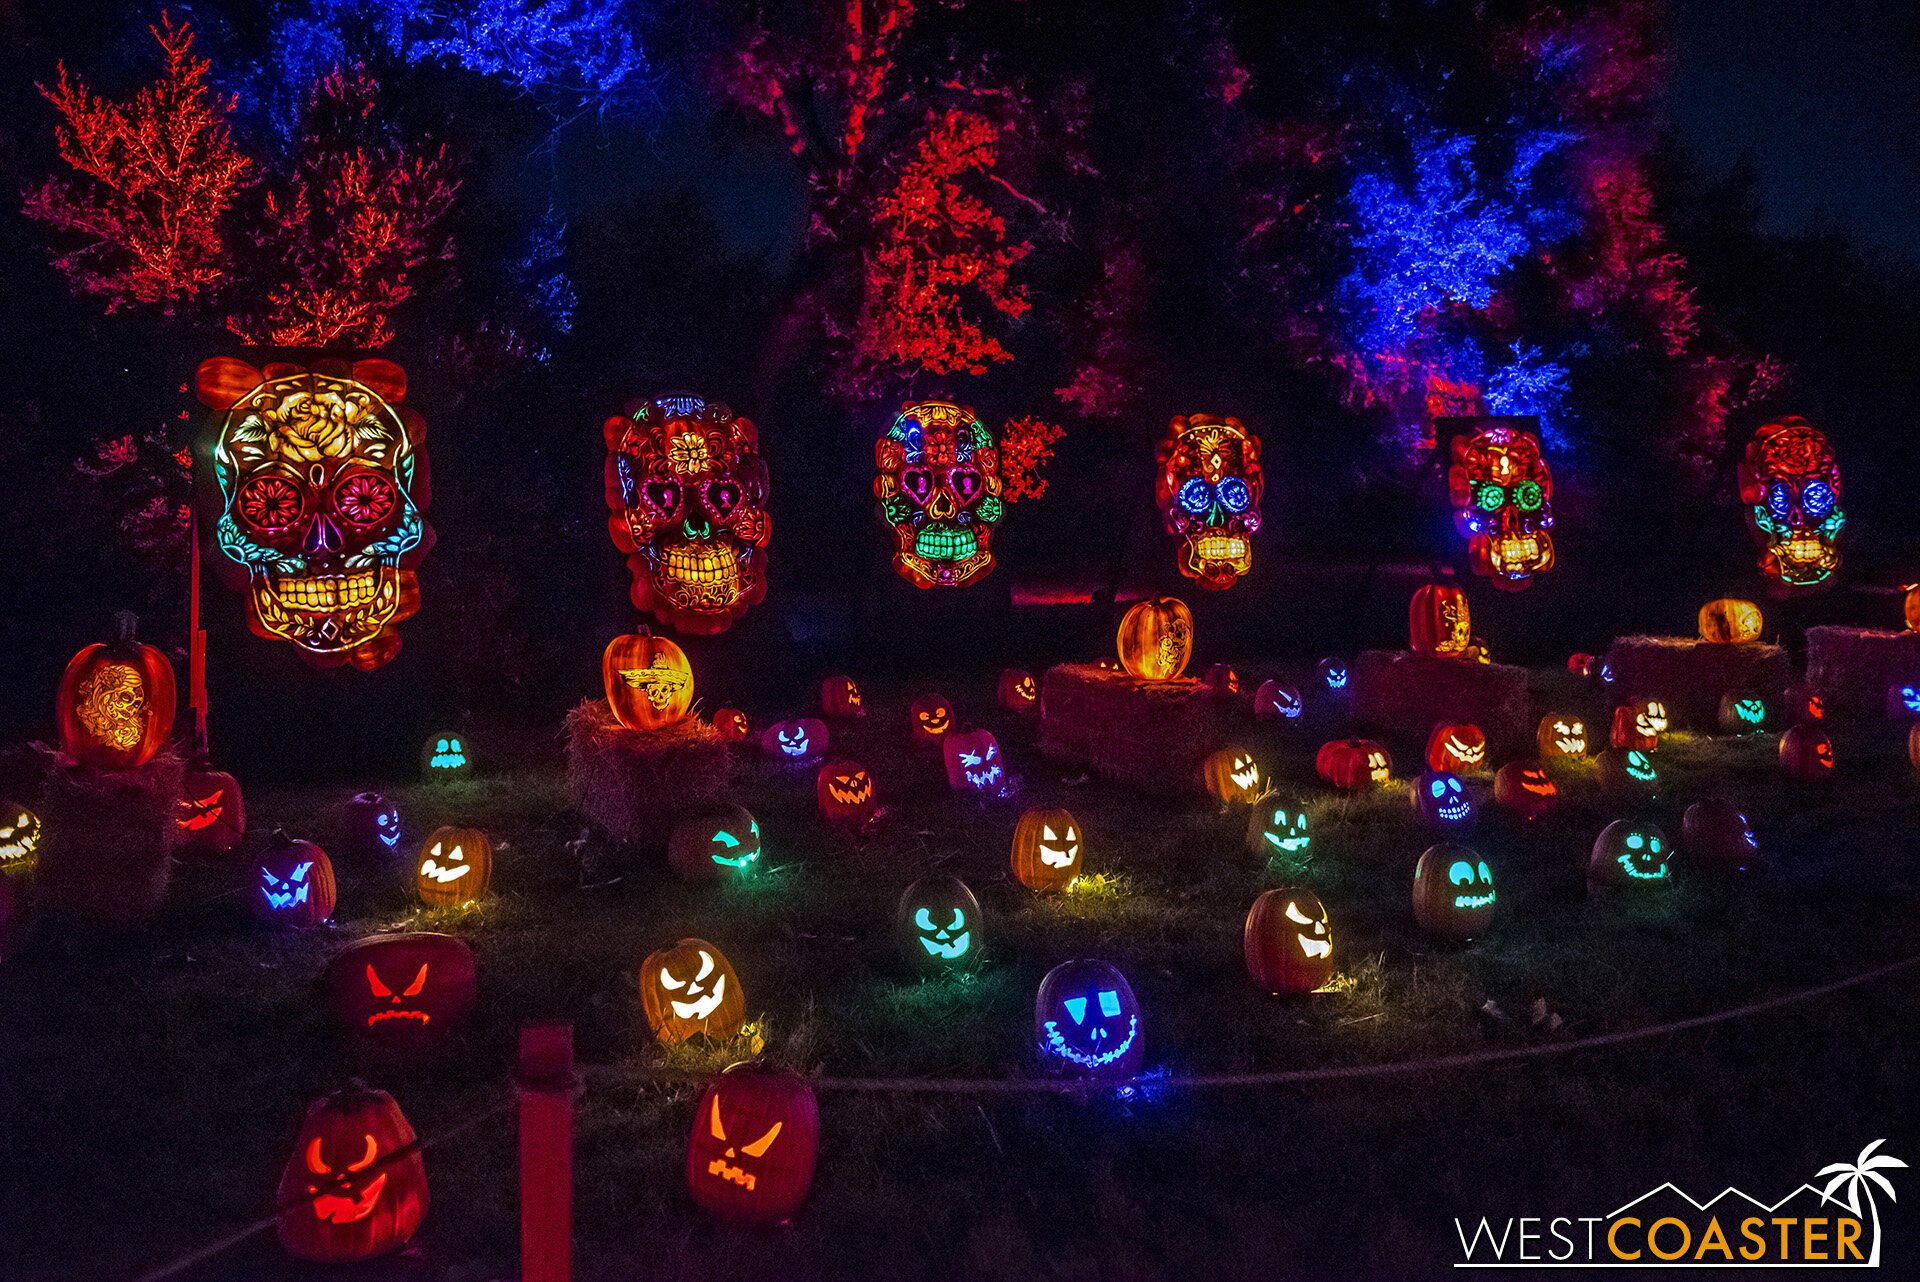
(635, 783)
(1152, 734)
(1689, 675)
(1398, 694)
(1851, 668)
(106, 848)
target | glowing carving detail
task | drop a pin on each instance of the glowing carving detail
(1208, 489)
(1502, 496)
(939, 486)
(1790, 482)
(111, 703)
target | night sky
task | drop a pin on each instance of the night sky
(1825, 97)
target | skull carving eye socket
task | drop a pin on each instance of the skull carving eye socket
(364, 499)
(662, 496)
(918, 483)
(1195, 495)
(1234, 494)
(721, 498)
(1779, 500)
(270, 504)
(1489, 497)
(966, 483)
(1817, 499)
(1527, 496)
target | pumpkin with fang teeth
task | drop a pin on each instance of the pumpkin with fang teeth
(19, 834)
(213, 814)
(1525, 788)
(1047, 849)
(1456, 746)
(355, 1186)
(1561, 735)
(1232, 775)
(1017, 691)
(691, 989)
(792, 741)
(1276, 701)
(972, 759)
(844, 791)
(295, 885)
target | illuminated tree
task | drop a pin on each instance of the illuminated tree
(1025, 446)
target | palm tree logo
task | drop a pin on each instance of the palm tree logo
(1861, 1176)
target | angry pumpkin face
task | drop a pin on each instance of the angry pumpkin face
(401, 991)
(19, 833)
(937, 924)
(844, 791)
(691, 989)
(1276, 701)
(756, 1137)
(795, 740)
(1046, 849)
(972, 758)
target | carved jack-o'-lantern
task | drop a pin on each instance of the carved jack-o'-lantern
(1438, 621)
(687, 492)
(1018, 691)
(295, 886)
(1440, 799)
(1453, 895)
(1288, 942)
(1231, 775)
(116, 702)
(648, 680)
(1333, 675)
(370, 825)
(1208, 488)
(1278, 830)
(725, 843)
(1087, 1022)
(939, 488)
(445, 756)
(1633, 728)
(400, 992)
(1502, 496)
(1046, 849)
(355, 1186)
(844, 792)
(1903, 701)
(756, 1138)
(322, 474)
(213, 813)
(937, 926)
(972, 759)
(930, 717)
(1277, 701)
(1354, 765)
(1524, 787)
(691, 989)
(1742, 712)
(1223, 682)
(1456, 746)
(1561, 735)
(1156, 639)
(1626, 774)
(1806, 753)
(456, 867)
(19, 834)
(1716, 836)
(730, 724)
(1629, 853)
(792, 741)
(1790, 483)
(1729, 621)
(840, 698)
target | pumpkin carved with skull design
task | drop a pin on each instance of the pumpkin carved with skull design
(116, 702)
(355, 1185)
(1440, 799)
(1087, 1021)
(756, 1138)
(648, 680)
(1288, 942)
(1439, 622)
(1047, 849)
(1155, 640)
(939, 486)
(1453, 895)
(1208, 489)
(691, 989)
(1629, 853)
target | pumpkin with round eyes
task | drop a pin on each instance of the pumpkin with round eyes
(1441, 800)
(1715, 835)
(445, 756)
(691, 989)
(755, 1141)
(1333, 675)
(1288, 942)
(1561, 735)
(1524, 787)
(1453, 894)
(1231, 774)
(1046, 849)
(931, 717)
(937, 926)
(19, 835)
(1223, 682)
(370, 825)
(116, 701)
(1742, 712)
(1277, 701)
(1729, 621)
(1806, 753)
(731, 725)
(840, 698)
(1633, 729)
(1017, 691)
(721, 844)
(1629, 853)
(213, 813)
(1458, 747)
(1156, 639)
(1626, 774)
(792, 741)
(844, 791)
(1438, 621)
(456, 866)
(294, 885)
(1354, 765)
(1087, 1022)
(400, 992)
(972, 759)
(1278, 830)
(648, 679)
(355, 1186)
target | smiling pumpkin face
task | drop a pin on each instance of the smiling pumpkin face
(930, 718)
(1278, 830)
(1231, 775)
(1288, 942)
(1018, 692)
(1629, 853)
(723, 844)
(355, 1186)
(1087, 1021)
(1561, 735)
(1046, 849)
(456, 867)
(937, 925)
(1453, 895)
(691, 989)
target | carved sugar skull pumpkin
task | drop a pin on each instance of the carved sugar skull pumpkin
(1440, 799)
(1453, 895)
(792, 741)
(1729, 621)
(1806, 753)
(1456, 746)
(937, 926)
(213, 814)
(294, 885)
(756, 1138)
(648, 680)
(1046, 849)
(1156, 638)
(1716, 836)
(972, 758)
(840, 698)
(1790, 483)
(400, 992)
(725, 843)
(1231, 774)
(1018, 692)
(1626, 774)
(1278, 830)
(844, 791)
(1333, 675)
(1525, 788)
(1629, 853)
(691, 988)
(1502, 496)
(19, 834)
(445, 757)
(930, 717)
(1277, 701)
(1087, 1021)
(371, 825)
(1288, 942)
(1438, 621)
(116, 702)
(1354, 765)
(939, 488)
(730, 724)
(687, 490)
(1208, 489)
(1742, 712)
(323, 482)
(456, 867)
(355, 1186)
(1561, 735)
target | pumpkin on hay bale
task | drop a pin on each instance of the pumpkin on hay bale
(1691, 675)
(635, 783)
(1397, 691)
(1152, 733)
(1852, 668)
(107, 844)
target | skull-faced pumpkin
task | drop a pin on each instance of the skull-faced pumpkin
(1629, 853)
(1502, 496)
(1208, 489)
(691, 989)
(116, 702)
(939, 487)
(1441, 800)
(1087, 1022)
(648, 680)
(1790, 484)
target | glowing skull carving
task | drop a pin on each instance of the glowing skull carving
(1502, 497)
(939, 488)
(688, 493)
(1790, 482)
(323, 479)
(1209, 490)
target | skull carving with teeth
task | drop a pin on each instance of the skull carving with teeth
(688, 492)
(1502, 497)
(1790, 483)
(939, 488)
(322, 476)
(1209, 491)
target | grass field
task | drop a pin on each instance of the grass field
(152, 1085)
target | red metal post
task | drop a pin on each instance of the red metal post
(544, 1077)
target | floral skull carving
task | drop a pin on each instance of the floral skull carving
(939, 488)
(1502, 497)
(688, 493)
(323, 479)
(1209, 490)
(1790, 482)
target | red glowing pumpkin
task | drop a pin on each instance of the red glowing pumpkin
(116, 702)
(1354, 765)
(213, 814)
(355, 1186)
(403, 992)
(1017, 691)
(1458, 747)
(755, 1140)
(1438, 621)
(840, 698)
(730, 724)
(1524, 787)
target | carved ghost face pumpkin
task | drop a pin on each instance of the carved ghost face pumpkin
(355, 1186)
(1288, 942)
(322, 477)
(730, 724)
(1790, 482)
(1439, 798)
(931, 717)
(1629, 853)
(1276, 701)
(1502, 496)
(939, 488)
(295, 885)
(1208, 489)
(1525, 788)
(1278, 829)
(445, 756)
(1018, 692)
(844, 791)
(688, 494)
(401, 991)
(691, 988)
(756, 1138)
(1087, 1021)
(1453, 895)
(456, 866)
(972, 758)
(1456, 746)
(1046, 849)
(1561, 735)
(937, 925)
(795, 740)
(19, 833)
(725, 843)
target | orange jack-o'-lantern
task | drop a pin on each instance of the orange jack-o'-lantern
(456, 866)
(1632, 729)
(840, 698)
(1438, 621)
(1354, 765)
(1046, 849)
(756, 1137)
(1457, 747)
(730, 724)
(1729, 621)
(648, 680)
(355, 1186)
(691, 989)
(930, 717)
(1524, 788)
(1561, 735)
(1223, 682)
(1288, 942)
(1018, 691)
(1231, 774)
(116, 702)
(1156, 639)
(844, 791)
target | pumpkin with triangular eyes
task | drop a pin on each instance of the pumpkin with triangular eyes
(1629, 853)
(1288, 942)
(1278, 830)
(691, 989)
(1456, 746)
(937, 926)
(356, 1185)
(930, 717)
(1561, 735)
(456, 866)
(19, 834)
(798, 740)
(844, 790)
(1046, 849)
(1441, 800)
(840, 698)
(756, 1138)
(400, 992)
(1017, 691)
(445, 756)
(1276, 701)
(1742, 712)
(1231, 775)
(730, 724)
(1525, 788)
(295, 885)
(972, 759)
(1453, 894)
(1806, 753)
(1087, 1021)
(724, 843)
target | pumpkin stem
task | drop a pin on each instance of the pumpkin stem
(280, 838)
(126, 624)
